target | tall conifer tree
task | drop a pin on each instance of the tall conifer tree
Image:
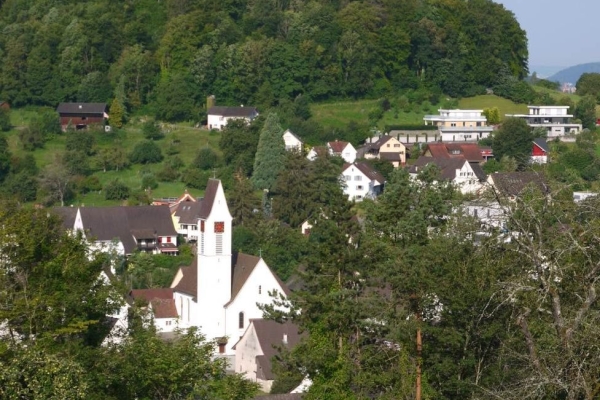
(270, 154)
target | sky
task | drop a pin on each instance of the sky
(560, 32)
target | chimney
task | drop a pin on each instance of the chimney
(285, 341)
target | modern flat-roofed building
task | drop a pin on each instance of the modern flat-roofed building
(555, 119)
(460, 125)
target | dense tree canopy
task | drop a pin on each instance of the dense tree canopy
(172, 54)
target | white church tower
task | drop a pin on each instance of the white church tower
(214, 260)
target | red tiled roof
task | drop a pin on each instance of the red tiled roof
(164, 308)
(470, 151)
(147, 295)
(338, 146)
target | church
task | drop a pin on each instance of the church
(220, 292)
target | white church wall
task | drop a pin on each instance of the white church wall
(256, 290)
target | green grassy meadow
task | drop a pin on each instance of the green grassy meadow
(337, 115)
(505, 106)
(188, 141)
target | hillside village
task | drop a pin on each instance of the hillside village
(293, 200)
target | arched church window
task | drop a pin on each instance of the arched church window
(241, 320)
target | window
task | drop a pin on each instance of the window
(167, 323)
(259, 289)
(241, 320)
(358, 178)
(475, 213)
(359, 187)
(182, 226)
(219, 227)
(397, 145)
(219, 243)
(388, 145)
(194, 227)
(348, 177)
(201, 226)
(168, 239)
(453, 124)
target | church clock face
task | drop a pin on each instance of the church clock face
(219, 227)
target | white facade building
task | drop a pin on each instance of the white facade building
(218, 117)
(220, 291)
(555, 119)
(468, 177)
(292, 142)
(342, 149)
(361, 181)
(460, 125)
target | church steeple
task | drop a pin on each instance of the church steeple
(214, 256)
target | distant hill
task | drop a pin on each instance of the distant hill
(544, 71)
(573, 73)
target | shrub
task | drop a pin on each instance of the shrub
(206, 159)
(90, 184)
(149, 181)
(195, 178)
(4, 120)
(116, 190)
(151, 130)
(146, 152)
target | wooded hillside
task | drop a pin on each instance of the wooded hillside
(171, 54)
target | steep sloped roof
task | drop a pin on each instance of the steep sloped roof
(188, 211)
(209, 198)
(337, 146)
(164, 308)
(188, 284)
(147, 295)
(367, 170)
(293, 134)
(447, 166)
(67, 214)
(270, 335)
(82, 108)
(513, 183)
(542, 144)
(470, 151)
(241, 112)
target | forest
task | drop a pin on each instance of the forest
(165, 57)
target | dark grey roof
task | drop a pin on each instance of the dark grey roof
(125, 223)
(479, 173)
(270, 335)
(188, 211)
(242, 112)
(367, 170)
(447, 166)
(209, 198)
(82, 108)
(67, 214)
(513, 183)
(542, 144)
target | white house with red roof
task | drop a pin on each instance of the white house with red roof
(361, 181)
(220, 291)
(342, 149)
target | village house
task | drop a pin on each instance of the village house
(258, 345)
(124, 230)
(4, 105)
(292, 142)
(469, 151)
(82, 115)
(460, 125)
(160, 305)
(554, 119)
(219, 116)
(468, 177)
(510, 185)
(220, 292)
(539, 151)
(361, 181)
(386, 148)
(342, 149)
(317, 151)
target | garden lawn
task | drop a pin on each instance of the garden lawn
(505, 106)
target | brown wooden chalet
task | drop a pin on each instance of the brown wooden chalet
(82, 115)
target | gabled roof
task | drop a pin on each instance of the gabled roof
(164, 308)
(67, 214)
(470, 151)
(82, 108)
(242, 267)
(293, 134)
(337, 146)
(367, 170)
(241, 112)
(147, 295)
(542, 144)
(479, 172)
(513, 183)
(209, 198)
(188, 284)
(270, 336)
(188, 211)
(447, 166)
(123, 223)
